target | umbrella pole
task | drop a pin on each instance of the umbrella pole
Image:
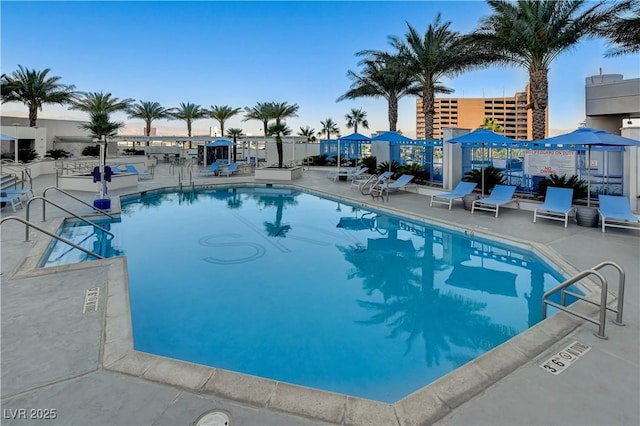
(589, 176)
(338, 170)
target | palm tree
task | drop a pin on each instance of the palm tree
(222, 113)
(148, 111)
(279, 130)
(356, 116)
(279, 112)
(623, 31)
(308, 133)
(261, 112)
(235, 134)
(100, 127)
(188, 112)
(384, 75)
(532, 33)
(491, 124)
(329, 127)
(99, 102)
(34, 89)
(439, 53)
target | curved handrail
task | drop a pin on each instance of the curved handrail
(44, 194)
(88, 222)
(51, 234)
(621, 280)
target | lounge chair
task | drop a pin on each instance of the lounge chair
(365, 186)
(616, 213)
(213, 170)
(141, 175)
(380, 188)
(14, 200)
(26, 193)
(500, 196)
(556, 206)
(461, 189)
(349, 174)
(233, 167)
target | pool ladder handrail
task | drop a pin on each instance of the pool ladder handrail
(603, 297)
(44, 200)
(51, 234)
(44, 194)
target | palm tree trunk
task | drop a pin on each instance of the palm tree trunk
(189, 131)
(428, 110)
(279, 148)
(539, 88)
(33, 115)
(355, 127)
(393, 114)
(147, 131)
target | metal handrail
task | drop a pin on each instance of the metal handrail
(25, 171)
(44, 194)
(603, 297)
(26, 234)
(52, 235)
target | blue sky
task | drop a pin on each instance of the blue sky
(240, 53)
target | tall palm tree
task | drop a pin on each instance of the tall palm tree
(356, 116)
(279, 130)
(188, 112)
(623, 31)
(235, 134)
(34, 89)
(99, 102)
(100, 126)
(281, 111)
(308, 133)
(384, 75)
(491, 124)
(439, 53)
(261, 112)
(532, 33)
(148, 111)
(222, 113)
(329, 127)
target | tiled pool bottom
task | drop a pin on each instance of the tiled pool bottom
(423, 406)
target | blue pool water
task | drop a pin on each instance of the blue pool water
(286, 285)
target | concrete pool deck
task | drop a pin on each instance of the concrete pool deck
(53, 356)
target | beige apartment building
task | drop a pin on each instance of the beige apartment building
(469, 113)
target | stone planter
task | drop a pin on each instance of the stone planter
(274, 173)
(468, 200)
(587, 216)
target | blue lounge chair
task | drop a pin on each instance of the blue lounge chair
(500, 196)
(26, 193)
(233, 167)
(461, 189)
(385, 186)
(14, 200)
(616, 213)
(141, 175)
(213, 170)
(556, 206)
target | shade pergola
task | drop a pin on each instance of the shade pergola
(354, 137)
(10, 138)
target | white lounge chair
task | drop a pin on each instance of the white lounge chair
(615, 212)
(380, 188)
(461, 189)
(500, 196)
(556, 206)
(349, 174)
(233, 167)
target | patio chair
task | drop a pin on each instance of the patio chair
(14, 200)
(556, 206)
(365, 186)
(141, 175)
(500, 196)
(349, 174)
(380, 188)
(615, 212)
(461, 189)
(213, 170)
(26, 193)
(233, 167)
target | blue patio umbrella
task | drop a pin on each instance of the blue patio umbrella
(590, 137)
(353, 137)
(481, 136)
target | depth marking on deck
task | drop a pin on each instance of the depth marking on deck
(91, 300)
(563, 359)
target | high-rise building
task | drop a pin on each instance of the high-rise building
(469, 113)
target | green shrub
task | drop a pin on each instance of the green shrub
(91, 151)
(319, 160)
(26, 155)
(370, 162)
(385, 167)
(417, 170)
(579, 185)
(57, 153)
(492, 177)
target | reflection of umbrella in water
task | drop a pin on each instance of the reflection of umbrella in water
(483, 279)
(587, 136)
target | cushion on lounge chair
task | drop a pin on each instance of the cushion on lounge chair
(615, 212)
(461, 189)
(556, 206)
(212, 170)
(500, 195)
(141, 175)
(233, 167)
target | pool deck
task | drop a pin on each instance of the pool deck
(53, 355)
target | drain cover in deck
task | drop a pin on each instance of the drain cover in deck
(214, 418)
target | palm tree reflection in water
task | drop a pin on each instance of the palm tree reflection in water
(412, 305)
(279, 201)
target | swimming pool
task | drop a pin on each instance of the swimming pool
(282, 284)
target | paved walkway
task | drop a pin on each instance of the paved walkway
(51, 352)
